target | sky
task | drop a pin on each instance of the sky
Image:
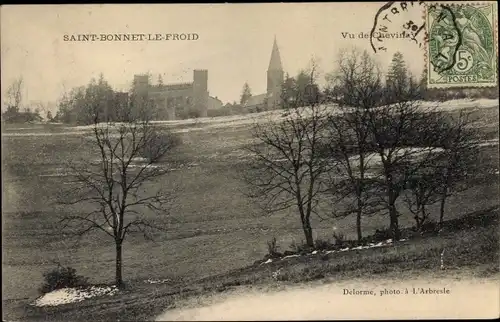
(234, 44)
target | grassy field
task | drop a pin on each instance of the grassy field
(471, 252)
(213, 228)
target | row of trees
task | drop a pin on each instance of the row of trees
(304, 86)
(13, 102)
(298, 90)
(81, 104)
(375, 150)
(379, 149)
(76, 107)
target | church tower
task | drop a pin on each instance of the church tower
(275, 76)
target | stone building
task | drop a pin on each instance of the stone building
(174, 101)
(214, 103)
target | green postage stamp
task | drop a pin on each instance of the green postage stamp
(462, 48)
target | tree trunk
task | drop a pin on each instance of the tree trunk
(393, 214)
(417, 222)
(306, 226)
(424, 216)
(441, 209)
(358, 224)
(394, 224)
(118, 274)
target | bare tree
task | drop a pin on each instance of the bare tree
(389, 125)
(357, 78)
(448, 171)
(288, 169)
(458, 161)
(14, 95)
(116, 188)
(388, 144)
(406, 136)
(302, 90)
(422, 191)
(12, 101)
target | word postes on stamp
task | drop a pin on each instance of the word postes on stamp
(461, 49)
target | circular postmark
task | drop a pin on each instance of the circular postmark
(398, 19)
(445, 38)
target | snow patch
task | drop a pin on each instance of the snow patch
(72, 295)
(148, 166)
(387, 242)
(139, 159)
(374, 159)
(151, 281)
(463, 103)
(492, 142)
(57, 175)
(268, 261)
(291, 256)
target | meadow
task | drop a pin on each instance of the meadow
(213, 227)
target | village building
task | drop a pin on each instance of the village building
(192, 99)
(178, 100)
(214, 103)
(275, 76)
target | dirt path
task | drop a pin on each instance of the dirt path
(474, 298)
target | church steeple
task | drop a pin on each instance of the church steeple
(275, 62)
(275, 76)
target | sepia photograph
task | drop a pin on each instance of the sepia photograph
(250, 161)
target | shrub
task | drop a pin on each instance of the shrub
(338, 239)
(381, 235)
(307, 273)
(219, 112)
(289, 252)
(272, 248)
(429, 227)
(320, 244)
(489, 242)
(159, 139)
(364, 241)
(62, 277)
(301, 248)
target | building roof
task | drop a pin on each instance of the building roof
(275, 62)
(256, 100)
(214, 103)
(214, 99)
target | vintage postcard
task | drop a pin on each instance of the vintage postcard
(259, 161)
